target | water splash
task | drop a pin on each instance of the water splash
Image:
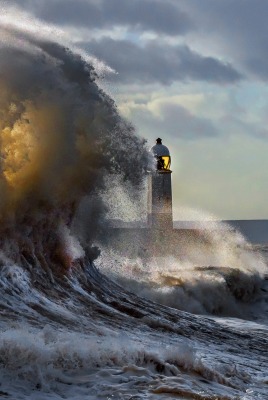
(209, 270)
(60, 137)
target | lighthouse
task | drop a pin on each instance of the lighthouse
(159, 189)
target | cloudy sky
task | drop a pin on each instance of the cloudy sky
(193, 72)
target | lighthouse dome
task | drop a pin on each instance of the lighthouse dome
(162, 156)
(159, 150)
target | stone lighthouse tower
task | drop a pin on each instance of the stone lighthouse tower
(159, 190)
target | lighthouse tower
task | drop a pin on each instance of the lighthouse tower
(159, 190)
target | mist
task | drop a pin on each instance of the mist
(60, 138)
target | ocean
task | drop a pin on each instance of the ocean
(93, 335)
(79, 318)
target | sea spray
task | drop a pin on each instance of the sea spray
(78, 334)
(60, 136)
(212, 270)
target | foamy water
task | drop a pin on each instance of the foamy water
(89, 338)
(82, 322)
(223, 275)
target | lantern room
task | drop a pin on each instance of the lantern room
(162, 156)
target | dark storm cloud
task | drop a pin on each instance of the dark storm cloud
(176, 121)
(146, 15)
(158, 62)
(239, 26)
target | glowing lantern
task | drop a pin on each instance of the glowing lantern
(162, 156)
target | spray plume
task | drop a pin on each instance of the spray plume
(60, 136)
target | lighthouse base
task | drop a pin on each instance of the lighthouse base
(160, 201)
